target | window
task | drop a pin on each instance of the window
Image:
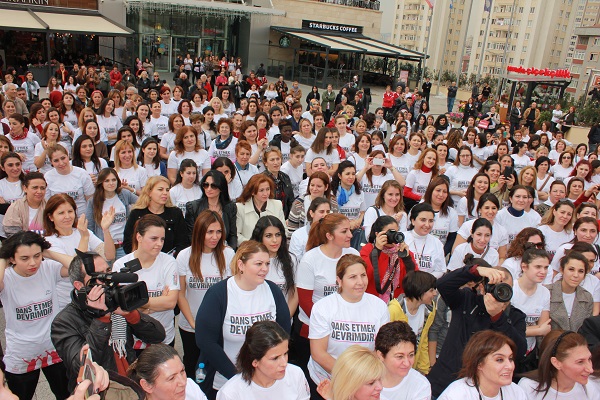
(527, 36)
(522, 61)
(524, 49)
(511, 60)
(532, 10)
(520, 10)
(594, 57)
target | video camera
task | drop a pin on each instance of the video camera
(127, 297)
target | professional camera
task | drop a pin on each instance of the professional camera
(127, 297)
(502, 292)
(394, 237)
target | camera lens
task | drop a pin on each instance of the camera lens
(502, 292)
(394, 237)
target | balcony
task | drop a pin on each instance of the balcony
(368, 4)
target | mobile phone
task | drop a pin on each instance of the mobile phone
(508, 171)
(87, 371)
(262, 133)
(378, 161)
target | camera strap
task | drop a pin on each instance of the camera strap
(376, 277)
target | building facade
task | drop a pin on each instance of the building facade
(586, 61)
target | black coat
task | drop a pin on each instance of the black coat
(288, 192)
(469, 316)
(195, 207)
(74, 327)
(591, 331)
(174, 238)
(516, 115)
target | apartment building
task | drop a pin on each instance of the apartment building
(586, 60)
(532, 33)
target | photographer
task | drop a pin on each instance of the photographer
(387, 263)
(472, 312)
(79, 324)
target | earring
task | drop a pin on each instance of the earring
(241, 272)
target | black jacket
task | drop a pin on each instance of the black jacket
(515, 115)
(594, 134)
(195, 207)
(287, 196)
(174, 238)
(469, 316)
(74, 327)
(452, 90)
(591, 331)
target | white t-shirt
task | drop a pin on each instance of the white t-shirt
(579, 392)
(193, 391)
(295, 174)
(460, 178)
(462, 209)
(244, 308)
(26, 146)
(464, 389)
(532, 306)
(67, 245)
(418, 181)
(345, 324)
(514, 225)
(330, 159)
(195, 288)
(499, 235)
(371, 189)
(200, 157)
(76, 184)
(160, 126)
(513, 264)
(167, 109)
(482, 153)
(347, 142)
(235, 189)
(180, 196)
(357, 160)
(244, 175)
(521, 162)
(555, 239)
(445, 224)
(355, 205)
(560, 173)
(111, 126)
(293, 386)
(428, 251)
(136, 177)
(29, 308)
(91, 168)
(168, 141)
(403, 164)
(162, 274)
(275, 273)
(414, 386)
(10, 192)
(316, 272)
(117, 228)
(298, 241)
(228, 151)
(546, 186)
(459, 253)
(372, 214)
(304, 142)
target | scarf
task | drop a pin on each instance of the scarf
(392, 270)
(344, 195)
(223, 144)
(118, 335)
(21, 136)
(240, 168)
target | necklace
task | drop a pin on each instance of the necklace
(422, 264)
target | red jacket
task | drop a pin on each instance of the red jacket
(389, 99)
(365, 253)
(115, 77)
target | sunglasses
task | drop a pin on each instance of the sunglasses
(207, 185)
(538, 245)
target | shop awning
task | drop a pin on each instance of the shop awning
(21, 20)
(90, 22)
(351, 43)
(93, 24)
(201, 7)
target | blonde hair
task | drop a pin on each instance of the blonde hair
(355, 367)
(122, 144)
(244, 252)
(144, 199)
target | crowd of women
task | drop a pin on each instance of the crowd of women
(316, 236)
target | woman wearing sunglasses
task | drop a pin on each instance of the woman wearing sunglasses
(215, 197)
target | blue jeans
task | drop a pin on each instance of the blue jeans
(450, 102)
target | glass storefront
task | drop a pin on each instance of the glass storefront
(162, 37)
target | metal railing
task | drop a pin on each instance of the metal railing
(368, 4)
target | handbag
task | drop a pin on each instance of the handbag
(483, 124)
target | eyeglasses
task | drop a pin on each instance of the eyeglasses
(566, 158)
(207, 185)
